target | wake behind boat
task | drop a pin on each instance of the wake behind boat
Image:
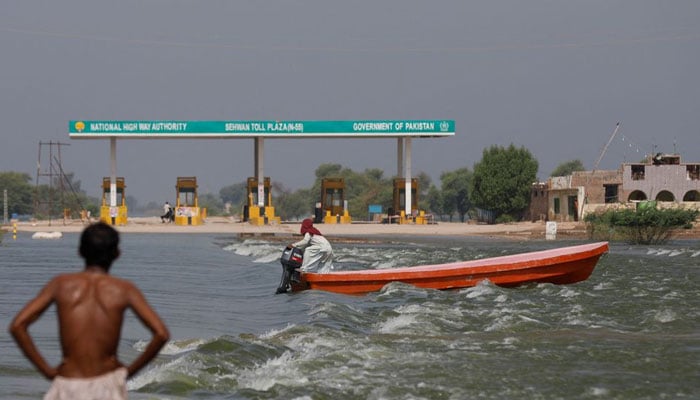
(564, 265)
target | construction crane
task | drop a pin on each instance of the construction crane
(605, 148)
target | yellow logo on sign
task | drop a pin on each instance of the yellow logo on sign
(80, 126)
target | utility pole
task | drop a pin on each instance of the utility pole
(4, 201)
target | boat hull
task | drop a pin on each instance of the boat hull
(561, 266)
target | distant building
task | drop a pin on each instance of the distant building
(538, 202)
(662, 177)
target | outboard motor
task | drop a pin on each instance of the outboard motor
(291, 259)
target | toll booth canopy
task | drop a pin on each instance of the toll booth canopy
(106, 182)
(117, 214)
(259, 212)
(333, 195)
(399, 202)
(187, 192)
(253, 192)
(187, 210)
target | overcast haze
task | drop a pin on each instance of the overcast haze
(552, 76)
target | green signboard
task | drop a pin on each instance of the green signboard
(239, 129)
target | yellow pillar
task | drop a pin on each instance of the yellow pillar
(345, 218)
(329, 219)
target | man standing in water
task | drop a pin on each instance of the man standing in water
(90, 306)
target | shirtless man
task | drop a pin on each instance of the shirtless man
(90, 307)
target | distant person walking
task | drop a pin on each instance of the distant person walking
(90, 306)
(318, 253)
(167, 213)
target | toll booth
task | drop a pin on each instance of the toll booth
(333, 203)
(187, 210)
(113, 215)
(399, 203)
(255, 213)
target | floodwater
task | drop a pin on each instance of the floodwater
(631, 331)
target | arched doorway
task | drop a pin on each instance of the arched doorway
(692, 195)
(637, 195)
(665, 195)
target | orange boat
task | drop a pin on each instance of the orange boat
(561, 266)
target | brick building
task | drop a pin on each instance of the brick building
(662, 177)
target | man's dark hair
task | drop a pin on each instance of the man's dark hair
(99, 245)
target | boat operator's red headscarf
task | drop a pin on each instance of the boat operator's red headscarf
(307, 225)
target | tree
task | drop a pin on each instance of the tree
(435, 202)
(20, 193)
(502, 180)
(293, 205)
(566, 168)
(329, 171)
(152, 208)
(235, 194)
(424, 183)
(455, 190)
(131, 203)
(64, 194)
(74, 197)
(212, 203)
(369, 187)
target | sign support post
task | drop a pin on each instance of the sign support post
(259, 170)
(113, 171)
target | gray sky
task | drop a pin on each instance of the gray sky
(552, 76)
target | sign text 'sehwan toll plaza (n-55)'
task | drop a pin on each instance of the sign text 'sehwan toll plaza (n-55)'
(403, 130)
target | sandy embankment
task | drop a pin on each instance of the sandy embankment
(521, 230)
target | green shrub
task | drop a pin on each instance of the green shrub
(505, 219)
(642, 226)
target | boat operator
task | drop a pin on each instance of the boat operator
(318, 253)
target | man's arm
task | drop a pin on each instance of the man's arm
(152, 321)
(304, 242)
(19, 328)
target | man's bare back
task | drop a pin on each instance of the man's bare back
(90, 307)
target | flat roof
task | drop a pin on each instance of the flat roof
(96, 129)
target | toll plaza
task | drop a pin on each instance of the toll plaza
(403, 130)
(113, 212)
(187, 210)
(334, 207)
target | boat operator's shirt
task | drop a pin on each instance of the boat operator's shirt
(318, 253)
